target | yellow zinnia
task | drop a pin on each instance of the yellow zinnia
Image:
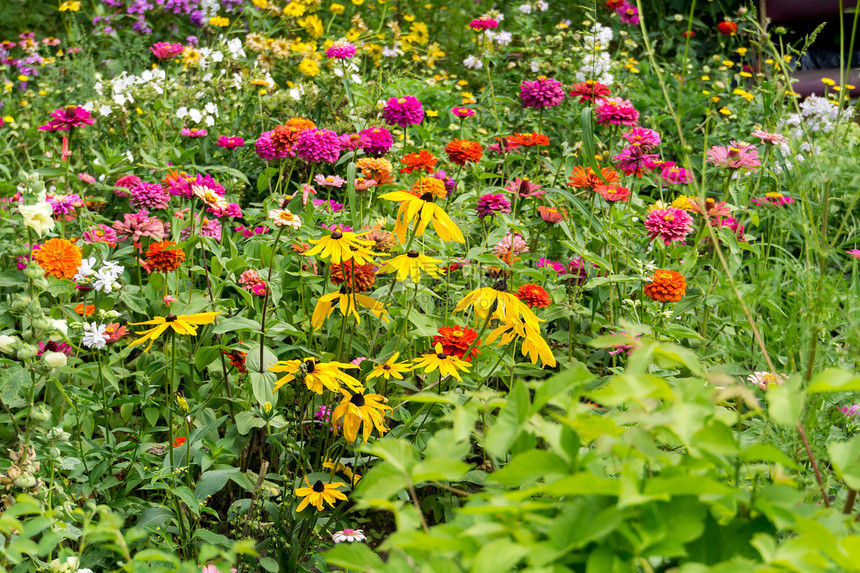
(182, 324)
(316, 375)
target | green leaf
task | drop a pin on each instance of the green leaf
(154, 517)
(212, 482)
(529, 466)
(356, 556)
(785, 403)
(834, 380)
(237, 323)
(263, 387)
(510, 422)
(845, 457)
(439, 469)
(381, 483)
(586, 121)
(247, 420)
(12, 381)
(498, 555)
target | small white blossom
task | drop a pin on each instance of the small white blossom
(473, 63)
(525, 8)
(94, 335)
(85, 270)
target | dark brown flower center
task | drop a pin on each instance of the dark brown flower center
(310, 365)
(170, 318)
(428, 197)
(386, 366)
(318, 486)
(336, 235)
(357, 399)
(413, 254)
(501, 286)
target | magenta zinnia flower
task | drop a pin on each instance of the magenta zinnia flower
(230, 142)
(377, 140)
(629, 14)
(149, 196)
(191, 132)
(165, 50)
(642, 137)
(103, 234)
(671, 225)
(524, 188)
(635, 161)
(126, 182)
(554, 265)
(140, 224)
(351, 141)
(589, 90)
(340, 50)
(616, 111)
(576, 268)
(854, 253)
(736, 155)
(542, 92)
(403, 112)
(317, 146)
(65, 204)
(483, 24)
(266, 150)
(773, 200)
(492, 203)
(675, 175)
(65, 118)
(450, 184)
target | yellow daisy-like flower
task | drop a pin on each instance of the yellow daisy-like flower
(309, 67)
(390, 369)
(353, 477)
(361, 409)
(316, 375)
(423, 211)
(219, 21)
(342, 246)
(72, 5)
(502, 304)
(684, 203)
(447, 364)
(182, 324)
(410, 265)
(346, 302)
(318, 493)
(534, 346)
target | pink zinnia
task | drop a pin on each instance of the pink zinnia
(642, 137)
(542, 92)
(492, 203)
(613, 193)
(551, 215)
(190, 132)
(589, 90)
(576, 268)
(140, 224)
(773, 200)
(149, 196)
(483, 24)
(403, 112)
(340, 50)
(629, 14)
(635, 161)
(462, 112)
(671, 225)
(230, 142)
(126, 182)
(317, 146)
(624, 348)
(266, 150)
(854, 253)
(351, 141)
(165, 50)
(524, 188)
(616, 111)
(329, 180)
(675, 175)
(554, 265)
(768, 138)
(103, 234)
(65, 204)
(86, 178)
(250, 280)
(65, 118)
(376, 140)
(511, 245)
(736, 155)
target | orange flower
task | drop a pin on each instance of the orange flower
(462, 151)
(161, 258)
(377, 168)
(358, 277)
(588, 179)
(666, 286)
(421, 160)
(429, 185)
(534, 296)
(285, 136)
(59, 258)
(527, 139)
(88, 311)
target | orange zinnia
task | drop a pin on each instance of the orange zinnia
(429, 185)
(587, 179)
(528, 139)
(462, 151)
(666, 286)
(161, 258)
(59, 258)
(421, 160)
(285, 136)
(377, 168)
(88, 311)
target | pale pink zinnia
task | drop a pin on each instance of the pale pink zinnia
(511, 245)
(283, 218)
(768, 138)
(642, 137)
(524, 188)
(765, 380)
(329, 180)
(671, 225)
(736, 155)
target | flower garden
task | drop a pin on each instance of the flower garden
(380, 285)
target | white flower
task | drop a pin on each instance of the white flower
(105, 110)
(209, 121)
(473, 63)
(525, 8)
(38, 217)
(542, 6)
(296, 93)
(356, 79)
(94, 335)
(195, 115)
(234, 46)
(534, 66)
(60, 325)
(54, 359)
(181, 112)
(217, 56)
(338, 72)
(348, 535)
(211, 108)
(85, 270)
(283, 218)
(104, 280)
(88, 106)
(129, 156)
(390, 52)
(113, 267)
(504, 38)
(6, 343)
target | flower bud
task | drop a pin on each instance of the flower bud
(55, 359)
(34, 273)
(6, 343)
(27, 351)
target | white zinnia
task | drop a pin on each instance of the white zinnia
(38, 217)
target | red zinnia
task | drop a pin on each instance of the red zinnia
(178, 441)
(237, 360)
(462, 151)
(161, 258)
(613, 193)
(589, 90)
(527, 139)
(455, 341)
(534, 296)
(727, 28)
